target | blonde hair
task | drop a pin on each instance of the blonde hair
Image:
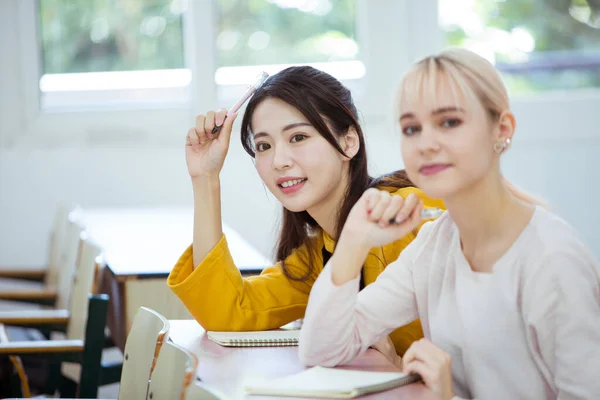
(469, 75)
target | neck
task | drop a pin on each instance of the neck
(488, 217)
(326, 212)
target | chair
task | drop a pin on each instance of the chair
(174, 376)
(144, 342)
(56, 285)
(87, 352)
(74, 321)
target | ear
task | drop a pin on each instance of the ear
(350, 143)
(505, 127)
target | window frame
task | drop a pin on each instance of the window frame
(411, 28)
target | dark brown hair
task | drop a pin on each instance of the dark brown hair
(325, 103)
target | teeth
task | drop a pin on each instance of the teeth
(291, 183)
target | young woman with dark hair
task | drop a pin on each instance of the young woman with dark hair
(302, 129)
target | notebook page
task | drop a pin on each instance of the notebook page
(262, 335)
(323, 380)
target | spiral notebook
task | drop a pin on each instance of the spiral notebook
(331, 383)
(275, 338)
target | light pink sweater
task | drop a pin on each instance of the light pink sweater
(529, 330)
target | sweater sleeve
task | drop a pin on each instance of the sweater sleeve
(219, 298)
(341, 323)
(561, 308)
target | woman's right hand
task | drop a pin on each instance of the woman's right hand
(379, 218)
(204, 152)
(376, 219)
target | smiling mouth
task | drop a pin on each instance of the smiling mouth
(292, 183)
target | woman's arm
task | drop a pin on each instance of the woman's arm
(205, 154)
(220, 299)
(340, 323)
(561, 306)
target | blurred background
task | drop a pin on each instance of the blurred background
(96, 96)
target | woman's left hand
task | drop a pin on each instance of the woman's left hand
(432, 364)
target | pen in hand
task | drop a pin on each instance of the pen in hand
(251, 89)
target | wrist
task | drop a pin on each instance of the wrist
(347, 261)
(355, 243)
(201, 183)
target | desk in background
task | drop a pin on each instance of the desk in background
(227, 369)
(140, 248)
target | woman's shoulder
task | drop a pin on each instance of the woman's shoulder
(552, 236)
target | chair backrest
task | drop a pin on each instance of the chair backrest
(56, 244)
(68, 260)
(175, 370)
(146, 337)
(83, 281)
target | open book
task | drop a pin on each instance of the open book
(333, 383)
(283, 337)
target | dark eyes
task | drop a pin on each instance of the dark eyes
(260, 147)
(446, 123)
(411, 130)
(451, 123)
(298, 138)
(264, 146)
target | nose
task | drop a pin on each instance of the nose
(428, 141)
(281, 158)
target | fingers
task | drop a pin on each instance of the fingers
(394, 207)
(408, 206)
(415, 217)
(227, 127)
(199, 128)
(209, 123)
(379, 204)
(385, 209)
(203, 129)
(430, 362)
(370, 197)
(192, 139)
(220, 117)
(426, 373)
(425, 351)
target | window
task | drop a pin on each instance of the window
(263, 33)
(107, 71)
(537, 44)
(105, 51)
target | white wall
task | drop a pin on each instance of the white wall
(551, 157)
(34, 181)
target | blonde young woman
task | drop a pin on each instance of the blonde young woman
(507, 293)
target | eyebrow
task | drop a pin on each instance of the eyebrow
(285, 128)
(437, 111)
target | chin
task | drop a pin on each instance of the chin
(294, 205)
(437, 190)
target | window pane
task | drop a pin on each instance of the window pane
(262, 32)
(537, 44)
(110, 35)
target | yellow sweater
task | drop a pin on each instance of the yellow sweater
(220, 299)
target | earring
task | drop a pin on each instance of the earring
(499, 147)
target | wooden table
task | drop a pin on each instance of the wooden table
(140, 247)
(227, 369)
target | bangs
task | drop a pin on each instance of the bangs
(430, 77)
